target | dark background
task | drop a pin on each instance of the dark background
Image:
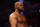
(31, 11)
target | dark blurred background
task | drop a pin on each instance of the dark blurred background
(31, 12)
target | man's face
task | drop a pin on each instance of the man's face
(20, 7)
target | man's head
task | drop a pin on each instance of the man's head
(19, 6)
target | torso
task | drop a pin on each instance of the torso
(21, 20)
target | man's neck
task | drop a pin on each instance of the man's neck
(17, 11)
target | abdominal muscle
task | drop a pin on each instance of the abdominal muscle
(21, 25)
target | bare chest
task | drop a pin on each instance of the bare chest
(20, 19)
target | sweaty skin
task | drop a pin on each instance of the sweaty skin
(16, 19)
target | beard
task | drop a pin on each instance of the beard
(20, 10)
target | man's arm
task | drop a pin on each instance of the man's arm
(12, 20)
(25, 20)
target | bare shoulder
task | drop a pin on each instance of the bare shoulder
(12, 15)
(23, 16)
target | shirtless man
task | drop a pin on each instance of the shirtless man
(16, 19)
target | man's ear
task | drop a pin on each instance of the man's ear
(17, 6)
